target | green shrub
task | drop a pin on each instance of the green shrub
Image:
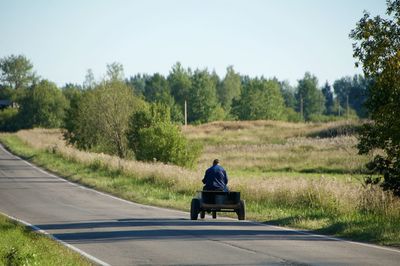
(153, 137)
(8, 119)
(292, 115)
(164, 142)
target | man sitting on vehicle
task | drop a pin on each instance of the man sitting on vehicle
(215, 178)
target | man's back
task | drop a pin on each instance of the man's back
(215, 178)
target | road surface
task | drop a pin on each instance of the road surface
(117, 232)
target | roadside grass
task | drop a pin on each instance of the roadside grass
(312, 195)
(20, 245)
(99, 174)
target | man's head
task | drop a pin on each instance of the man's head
(215, 162)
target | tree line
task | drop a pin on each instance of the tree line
(139, 116)
(240, 97)
(208, 96)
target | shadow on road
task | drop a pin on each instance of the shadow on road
(167, 229)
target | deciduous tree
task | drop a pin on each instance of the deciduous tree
(309, 97)
(230, 89)
(103, 118)
(43, 105)
(377, 49)
(16, 72)
(352, 91)
(260, 99)
(202, 102)
(180, 84)
(329, 101)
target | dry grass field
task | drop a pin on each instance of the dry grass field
(268, 148)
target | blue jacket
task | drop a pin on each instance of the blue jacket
(215, 178)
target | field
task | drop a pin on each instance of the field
(270, 149)
(20, 246)
(293, 174)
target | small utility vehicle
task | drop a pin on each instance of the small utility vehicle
(216, 201)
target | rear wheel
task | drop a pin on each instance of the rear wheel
(214, 214)
(194, 209)
(241, 212)
(202, 214)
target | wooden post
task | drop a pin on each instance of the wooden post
(185, 113)
(301, 108)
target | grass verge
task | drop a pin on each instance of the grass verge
(19, 245)
(331, 207)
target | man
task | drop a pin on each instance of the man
(215, 178)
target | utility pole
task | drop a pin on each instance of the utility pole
(301, 107)
(338, 106)
(185, 113)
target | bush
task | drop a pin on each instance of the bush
(153, 137)
(164, 142)
(292, 115)
(8, 119)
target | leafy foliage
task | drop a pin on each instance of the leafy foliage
(260, 99)
(352, 91)
(329, 101)
(311, 97)
(180, 83)
(115, 72)
(89, 82)
(202, 102)
(102, 118)
(138, 83)
(73, 94)
(157, 90)
(288, 94)
(43, 105)
(230, 89)
(8, 119)
(144, 118)
(377, 48)
(153, 137)
(164, 142)
(16, 72)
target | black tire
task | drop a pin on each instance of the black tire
(202, 214)
(214, 214)
(194, 209)
(241, 212)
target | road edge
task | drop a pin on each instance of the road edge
(47, 234)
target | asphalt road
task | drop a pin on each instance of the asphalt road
(118, 232)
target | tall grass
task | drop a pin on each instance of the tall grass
(20, 246)
(268, 148)
(287, 174)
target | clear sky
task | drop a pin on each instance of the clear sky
(281, 38)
